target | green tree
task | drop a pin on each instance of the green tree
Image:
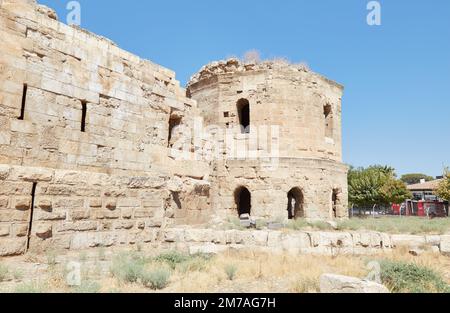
(443, 190)
(375, 185)
(415, 178)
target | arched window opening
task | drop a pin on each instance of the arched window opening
(295, 204)
(335, 202)
(174, 122)
(243, 107)
(328, 114)
(243, 199)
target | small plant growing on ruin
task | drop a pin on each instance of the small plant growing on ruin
(102, 254)
(156, 279)
(231, 271)
(196, 263)
(172, 258)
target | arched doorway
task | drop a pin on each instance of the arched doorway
(295, 204)
(243, 199)
(335, 203)
(243, 108)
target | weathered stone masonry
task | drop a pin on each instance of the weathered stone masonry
(86, 130)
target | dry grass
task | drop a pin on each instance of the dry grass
(251, 272)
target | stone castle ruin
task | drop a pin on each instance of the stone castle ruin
(101, 148)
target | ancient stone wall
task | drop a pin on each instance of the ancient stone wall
(99, 147)
(84, 138)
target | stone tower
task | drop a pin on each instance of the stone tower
(299, 112)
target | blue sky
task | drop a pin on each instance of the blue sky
(396, 108)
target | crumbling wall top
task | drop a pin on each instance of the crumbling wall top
(236, 66)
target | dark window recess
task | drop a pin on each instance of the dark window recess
(335, 201)
(295, 204)
(24, 101)
(30, 219)
(243, 199)
(243, 107)
(174, 122)
(83, 116)
(226, 114)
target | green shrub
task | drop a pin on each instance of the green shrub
(231, 271)
(307, 285)
(401, 225)
(102, 254)
(156, 279)
(127, 268)
(32, 287)
(403, 277)
(88, 287)
(52, 257)
(17, 274)
(4, 271)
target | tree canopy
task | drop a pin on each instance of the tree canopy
(376, 185)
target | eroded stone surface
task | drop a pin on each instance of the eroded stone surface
(91, 134)
(331, 283)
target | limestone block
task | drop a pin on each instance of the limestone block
(208, 248)
(47, 11)
(50, 216)
(5, 138)
(155, 222)
(143, 213)
(45, 204)
(445, 245)
(173, 235)
(77, 226)
(274, 238)
(13, 216)
(80, 215)
(296, 242)
(111, 204)
(433, 240)
(95, 203)
(330, 283)
(124, 225)
(43, 230)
